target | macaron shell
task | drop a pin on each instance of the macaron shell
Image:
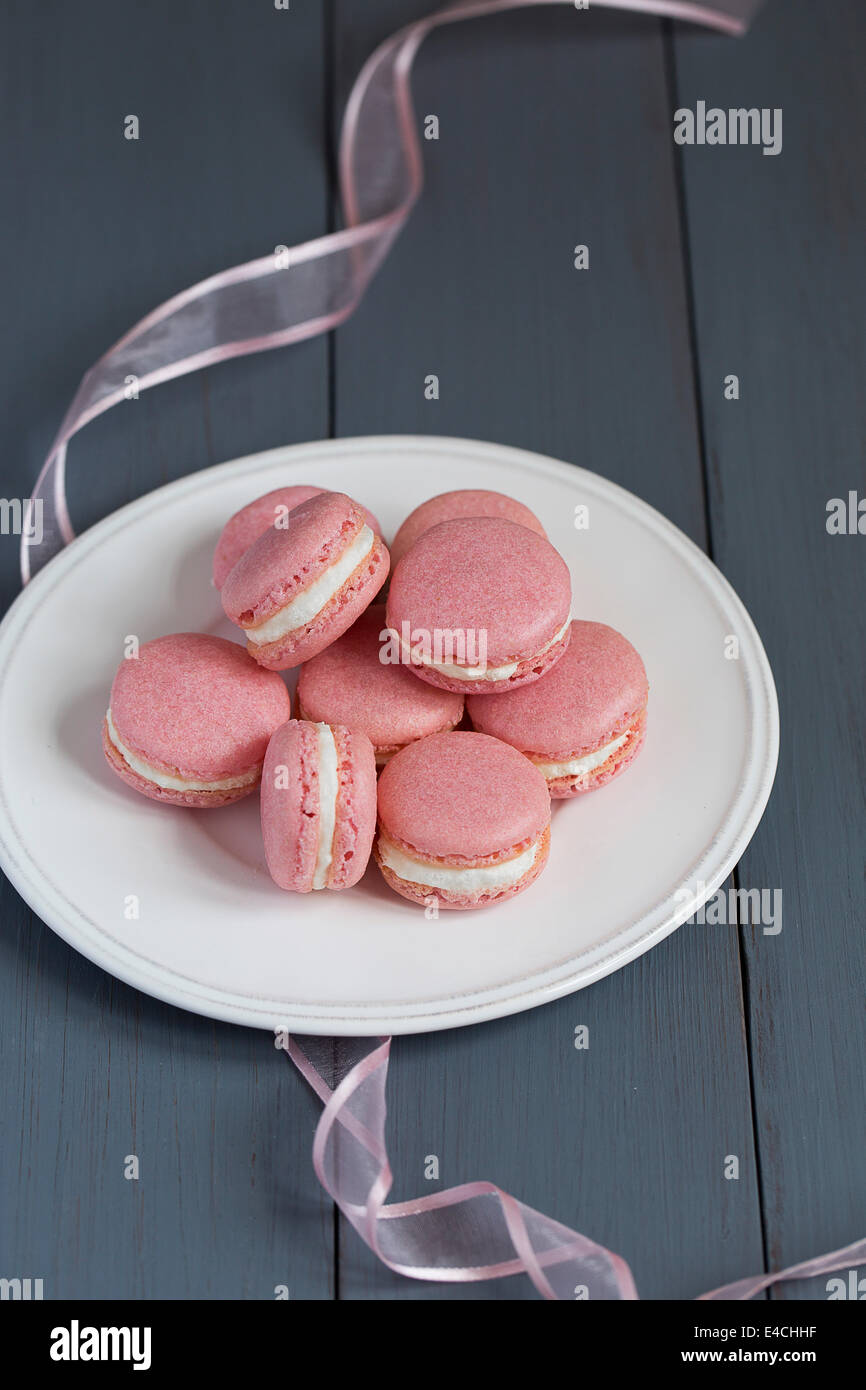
(196, 706)
(483, 576)
(417, 893)
(290, 807)
(623, 757)
(338, 615)
(449, 506)
(349, 684)
(197, 800)
(356, 808)
(463, 798)
(592, 696)
(284, 560)
(245, 527)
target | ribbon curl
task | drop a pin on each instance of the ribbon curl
(311, 288)
(468, 1233)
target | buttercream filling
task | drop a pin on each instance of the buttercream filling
(166, 780)
(329, 785)
(468, 881)
(383, 755)
(575, 767)
(306, 605)
(478, 673)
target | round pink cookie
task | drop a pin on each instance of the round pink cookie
(190, 718)
(449, 506)
(480, 604)
(463, 819)
(584, 723)
(298, 589)
(318, 806)
(349, 684)
(256, 517)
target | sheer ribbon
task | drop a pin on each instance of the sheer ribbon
(297, 292)
(467, 1233)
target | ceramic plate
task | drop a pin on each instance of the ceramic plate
(179, 903)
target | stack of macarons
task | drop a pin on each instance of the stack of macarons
(470, 690)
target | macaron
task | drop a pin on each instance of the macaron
(298, 588)
(480, 604)
(463, 819)
(318, 806)
(256, 517)
(584, 723)
(349, 683)
(449, 506)
(189, 720)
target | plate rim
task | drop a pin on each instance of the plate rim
(459, 1009)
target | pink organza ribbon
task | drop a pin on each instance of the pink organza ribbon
(467, 1233)
(476, 1231)
(299, 292)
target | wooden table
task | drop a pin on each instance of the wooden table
(555, 130)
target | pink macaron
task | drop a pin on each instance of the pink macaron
(190, 718)
(350, 684)
(480, 604)
(256, 517)
(450, 506)
(298, 588)
(318, 806)
(584, 723)
(464, 820)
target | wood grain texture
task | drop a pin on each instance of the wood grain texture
(780, 296)
(230, 163)
(555, 130)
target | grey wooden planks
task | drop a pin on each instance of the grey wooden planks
(230, 162)
(780, 296)
(555, 130)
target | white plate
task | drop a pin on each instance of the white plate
(213, 933)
